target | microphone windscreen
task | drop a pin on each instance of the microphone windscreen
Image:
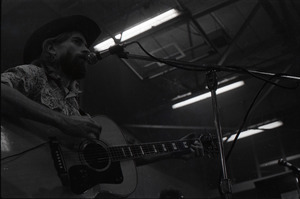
(92, 58)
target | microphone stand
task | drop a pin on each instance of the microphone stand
(212, 84)
(297, 178)
(295, 170)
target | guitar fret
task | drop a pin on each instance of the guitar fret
(142, 150)
(117, 153)
(136, 151)
(181, 146)
(174, 146)
(123, 152)
(185, 145)
(130, 151)
(126, 152)
(155, 150)
(164, 147)
(147, 149)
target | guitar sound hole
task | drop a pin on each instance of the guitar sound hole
(96, 156)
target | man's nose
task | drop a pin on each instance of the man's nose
(85, 49)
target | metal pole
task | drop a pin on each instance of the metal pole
(212, 84)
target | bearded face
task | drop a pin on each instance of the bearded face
(73, 65)
(71, 56)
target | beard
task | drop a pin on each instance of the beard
(74, 66)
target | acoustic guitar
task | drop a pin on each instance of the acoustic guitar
(39, 168)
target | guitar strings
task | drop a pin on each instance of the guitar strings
(116, 153)
(147, 148)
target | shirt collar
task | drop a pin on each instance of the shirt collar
(53, 74)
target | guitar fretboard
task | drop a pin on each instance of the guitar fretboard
(118, 153)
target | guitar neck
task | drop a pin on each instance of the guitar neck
(118, 153)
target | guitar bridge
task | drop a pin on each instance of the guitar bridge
(59, 161)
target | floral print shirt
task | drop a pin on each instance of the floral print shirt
(43, 85)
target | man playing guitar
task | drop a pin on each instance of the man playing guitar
(44, 93)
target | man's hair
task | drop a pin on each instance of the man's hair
(46, 57)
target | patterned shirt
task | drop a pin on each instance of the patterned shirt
(44, 85)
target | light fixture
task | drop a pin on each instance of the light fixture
(207, 95)
(104, 45)
(138, 29)
(246, 133)
(271, 125)
(259, 129)
(147, 25)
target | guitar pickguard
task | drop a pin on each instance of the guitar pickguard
(83, 178)
(96, 167)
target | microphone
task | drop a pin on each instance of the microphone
(94, 57)
(289, 165)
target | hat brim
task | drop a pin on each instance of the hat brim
(82, 24)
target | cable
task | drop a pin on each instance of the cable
(23, 152)
(249, 110)
(245, 119)
(194, 67)
(263, 79)
(218, 68)
(242, 126)
(167, 62)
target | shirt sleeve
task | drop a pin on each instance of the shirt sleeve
(24, 78)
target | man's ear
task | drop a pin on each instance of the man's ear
(49, 46)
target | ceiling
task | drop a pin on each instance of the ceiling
(259, 35)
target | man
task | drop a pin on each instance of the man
(60, 60)
(45, 89)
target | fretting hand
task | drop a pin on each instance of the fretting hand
(196, 148)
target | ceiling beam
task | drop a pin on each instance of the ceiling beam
(238, 34)
(179, 21)
(214, 8)
(190, 16)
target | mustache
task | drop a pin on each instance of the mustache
(84, 57)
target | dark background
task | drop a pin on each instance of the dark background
(260, 35)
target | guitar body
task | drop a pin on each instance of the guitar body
(35, 174)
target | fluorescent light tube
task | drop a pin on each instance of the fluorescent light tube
(207, 95)
(246, 133)
(147, 25)
(260, 129)
(104, 45)
(139, 28)
(271, 125)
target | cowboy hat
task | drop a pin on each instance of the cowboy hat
(82, 24)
